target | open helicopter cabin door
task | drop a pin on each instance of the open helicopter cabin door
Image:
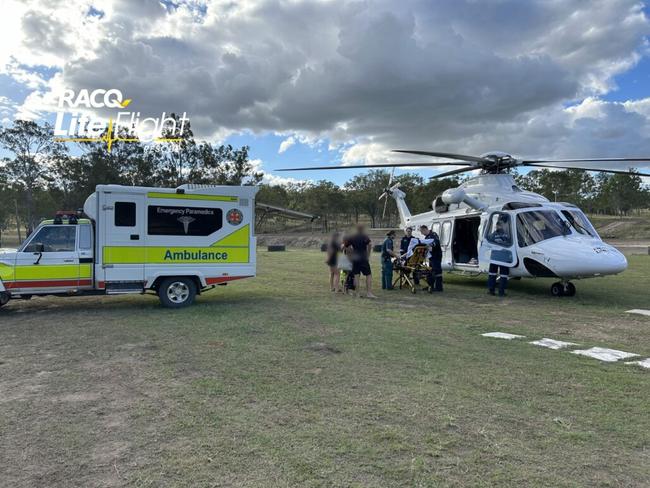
(498, 245)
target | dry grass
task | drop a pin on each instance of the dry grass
(275, 382)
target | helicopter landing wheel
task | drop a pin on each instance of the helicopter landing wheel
(569, 289)
(557, 289)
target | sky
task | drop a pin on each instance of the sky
(343, 82)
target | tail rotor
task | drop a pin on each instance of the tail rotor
(387, 192)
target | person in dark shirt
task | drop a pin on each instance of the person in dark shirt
(360, 246)
(435, 259)
(333, 249)
(405, 241)
(387, 255)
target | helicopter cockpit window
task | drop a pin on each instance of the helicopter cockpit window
(580, 223)
(539, 225)
(500, 230)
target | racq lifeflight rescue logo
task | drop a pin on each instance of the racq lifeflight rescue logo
(73, 124)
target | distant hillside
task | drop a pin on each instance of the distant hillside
(612, 227)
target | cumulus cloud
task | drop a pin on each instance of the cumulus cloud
(274, 180)
(286, 144)
(452, 75)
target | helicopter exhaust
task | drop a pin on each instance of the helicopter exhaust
(458, 196)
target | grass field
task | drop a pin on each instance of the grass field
(277, 382)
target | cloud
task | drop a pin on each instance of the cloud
(366, 77)
(274, 180)
(286, 144)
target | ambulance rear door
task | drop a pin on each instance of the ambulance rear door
(122, 218)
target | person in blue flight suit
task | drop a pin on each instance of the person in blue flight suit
(387, 255)
(435, 259)
(406, 240)
(500, 236)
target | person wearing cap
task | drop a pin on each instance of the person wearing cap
(387, 255)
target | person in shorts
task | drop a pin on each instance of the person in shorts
(360, 247)
(333, 250)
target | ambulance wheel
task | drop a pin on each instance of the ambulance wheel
(4, 298)
(569, 290)
(557, 289)
(177, 292)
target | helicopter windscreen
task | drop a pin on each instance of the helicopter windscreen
(538, 225)
(580, 222)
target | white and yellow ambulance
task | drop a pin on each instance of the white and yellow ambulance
(174, 242)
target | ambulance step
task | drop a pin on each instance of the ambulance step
(122, 287)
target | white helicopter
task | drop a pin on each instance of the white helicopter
(547, 239)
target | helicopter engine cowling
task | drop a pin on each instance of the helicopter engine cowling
(458, 196)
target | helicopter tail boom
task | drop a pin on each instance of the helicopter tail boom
(403, 210)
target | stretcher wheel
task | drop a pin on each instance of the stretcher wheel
(414, 290)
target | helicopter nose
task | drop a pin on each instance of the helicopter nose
(597, 260)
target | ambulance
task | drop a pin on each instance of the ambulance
(176, 243)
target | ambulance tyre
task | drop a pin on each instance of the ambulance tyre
(177, 292)
(4, 298)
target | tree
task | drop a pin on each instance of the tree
(620, 193)
(324, 199)
(225, 165)
(34, 149)
(365, 190)
(177, 160)
(569, 185)
(5, 209)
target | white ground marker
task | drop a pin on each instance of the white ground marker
(639, 311)
(502, 335)
(553, 344)
(604, 354)
(645, 363)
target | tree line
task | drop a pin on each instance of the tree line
(41, 176)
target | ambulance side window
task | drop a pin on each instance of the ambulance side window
(124, 214)
(436, 228)
(167, 220)
(85, 238)
(53, 238)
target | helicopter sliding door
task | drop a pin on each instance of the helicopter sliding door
(498, 242)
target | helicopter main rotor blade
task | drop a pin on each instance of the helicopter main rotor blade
(454, 172)
(614, 171)
(585, 160)
(460, 157)
(366, 166)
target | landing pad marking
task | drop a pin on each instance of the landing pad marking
(553, 344)
(604, 354)
(639, 311)
(502, 335)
